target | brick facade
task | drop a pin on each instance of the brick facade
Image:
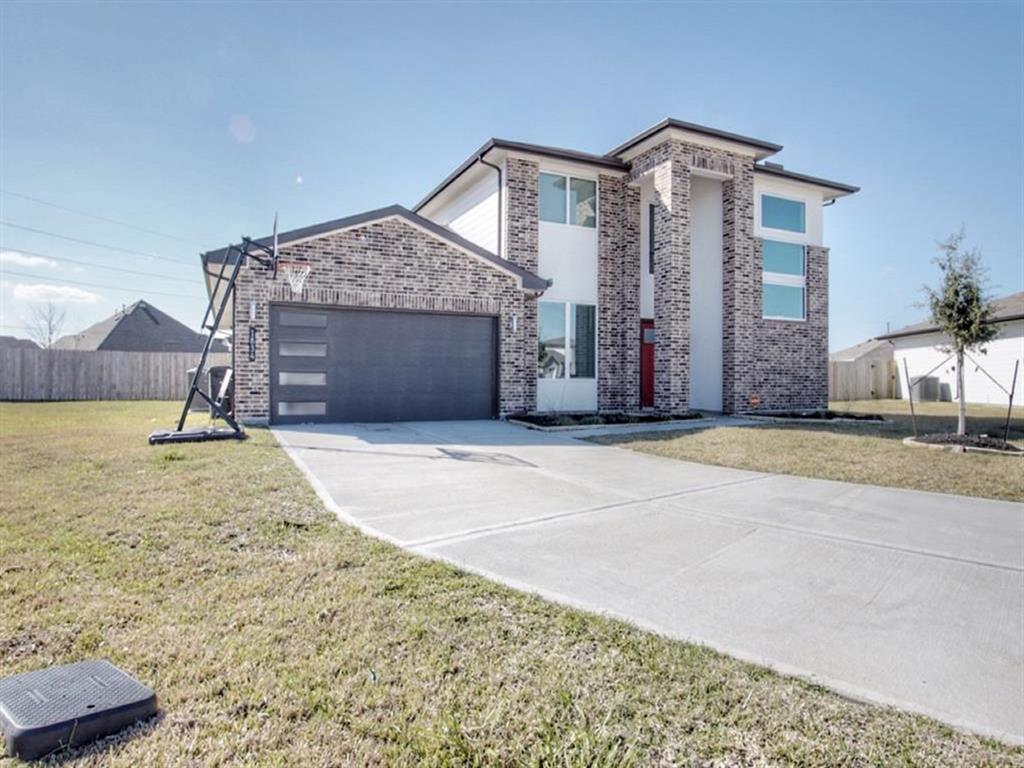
(783, 364)
(388, 264)
(392, 264)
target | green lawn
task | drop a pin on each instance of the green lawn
(275, 635)
(858, 452)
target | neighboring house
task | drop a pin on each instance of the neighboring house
(872, 349)
(683, 271)
(140, 327)
(920, 348)
(12, 342)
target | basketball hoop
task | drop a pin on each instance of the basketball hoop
(296, 272)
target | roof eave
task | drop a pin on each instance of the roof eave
(838, 187)
(904, 333)
(760, 144)
(556, 153)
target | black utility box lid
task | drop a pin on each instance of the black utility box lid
(67, 706)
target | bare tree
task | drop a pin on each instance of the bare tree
(46, 323)
(960, 310)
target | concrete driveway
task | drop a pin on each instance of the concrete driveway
(897, 597)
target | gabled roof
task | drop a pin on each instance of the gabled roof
(140, 327)
(13, 342)
(1004, 310)
(529, 280)
(874, 348)
(714, 133)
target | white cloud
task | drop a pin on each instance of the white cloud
(56, 293)
(242, 129)
(15, 259)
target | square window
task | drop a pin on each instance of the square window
(552, 198)
(780, 213)
(783, 258)
(783, 301)
(583, 202)
(551, 340)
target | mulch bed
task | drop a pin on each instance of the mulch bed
(820, 415)
(596, 419)
(970, 441)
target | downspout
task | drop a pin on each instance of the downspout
(500, 184)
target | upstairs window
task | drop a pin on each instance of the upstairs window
(780, 213)
(784, 281)
(568, 200)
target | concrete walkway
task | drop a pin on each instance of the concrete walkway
(898, 597)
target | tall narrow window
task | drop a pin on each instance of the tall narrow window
(552, 198)
(784, 281)
(551, 340)
(582, 327)
(650, 238)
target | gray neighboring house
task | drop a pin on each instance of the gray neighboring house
(872, 349)
(680, 270)
(12, 342)
(140, 327)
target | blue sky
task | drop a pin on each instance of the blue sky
(199, 121)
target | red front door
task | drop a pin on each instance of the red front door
(647, 363)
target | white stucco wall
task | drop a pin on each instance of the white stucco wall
(567, 255)
(705, 293)
(922, 353)
(473, 213)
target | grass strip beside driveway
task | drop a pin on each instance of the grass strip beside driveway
(275, 635)
(856, 452)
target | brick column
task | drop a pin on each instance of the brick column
(522, 216)
(741, 287)
(672, 285)
(618, 295)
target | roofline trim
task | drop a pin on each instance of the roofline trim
(671, 122)
(935, 329)
(569, 155)
(527, 280)
(838, 186)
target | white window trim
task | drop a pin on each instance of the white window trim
(790, 281)
(566, 315)
(783, 233)
(568, 195)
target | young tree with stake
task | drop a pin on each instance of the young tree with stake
(960, 310)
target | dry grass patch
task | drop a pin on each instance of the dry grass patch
(857, 452)
(275, 635)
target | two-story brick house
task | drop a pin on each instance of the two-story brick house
(678, 271)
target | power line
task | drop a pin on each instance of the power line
(90, 242)
(12, 193)
(99, 285)
(104, 266)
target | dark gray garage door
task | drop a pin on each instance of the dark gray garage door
(340, 365)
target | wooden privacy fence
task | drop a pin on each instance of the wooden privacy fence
(867, 379)
(43, 374)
